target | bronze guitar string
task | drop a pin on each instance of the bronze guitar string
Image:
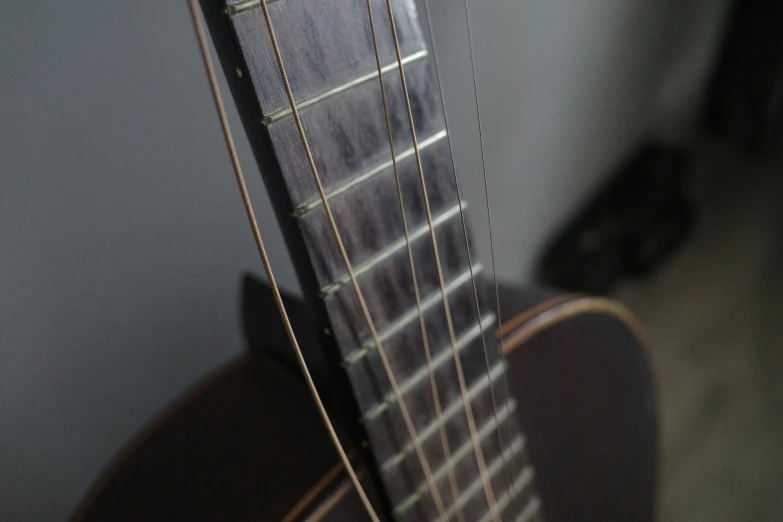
(204, 46)
(436, 398)
(374, 334)
(249, 208)
(488, 491)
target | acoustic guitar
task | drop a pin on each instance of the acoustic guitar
(416, 389)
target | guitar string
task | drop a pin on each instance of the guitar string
(493, 396)
(509, 425)
(333, 225)
(240, 179)
(428, 356)
(509, 420)
(488, 491)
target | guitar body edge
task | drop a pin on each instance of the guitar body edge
(581, 373)
(248, 444)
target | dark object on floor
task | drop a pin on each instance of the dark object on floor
(632, 224)
(746, 103)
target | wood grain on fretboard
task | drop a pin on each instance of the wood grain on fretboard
(328, 53)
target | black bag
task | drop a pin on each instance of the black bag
(639, 217)
(746, 102)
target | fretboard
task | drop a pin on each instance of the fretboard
(327, 49)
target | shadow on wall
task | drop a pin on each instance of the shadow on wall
(566, 91)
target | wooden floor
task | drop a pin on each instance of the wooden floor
(715, 314)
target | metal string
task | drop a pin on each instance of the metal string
(376, 339)
(488, 491)
(509, 434)
(436, 399)
(202, 40)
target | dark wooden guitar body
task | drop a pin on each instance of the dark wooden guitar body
(248, 444)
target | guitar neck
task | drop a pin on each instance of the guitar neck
(327, 49)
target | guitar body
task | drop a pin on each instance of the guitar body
(393, 329)
(248, 443)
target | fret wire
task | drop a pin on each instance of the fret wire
(283, 113)
(411, 315)
(444, 440)
(195, 12)
(463, 451)
(494, 468)
(450, 411)
(530, 510)
(403, 409)
(488, 491)
(245, 5)
(439, 360)
(354, 182)
(519, 485)
(392, 249)
(509, 430)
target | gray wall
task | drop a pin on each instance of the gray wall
(123, 238)
(566, 89)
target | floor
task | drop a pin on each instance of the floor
(715, 314)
